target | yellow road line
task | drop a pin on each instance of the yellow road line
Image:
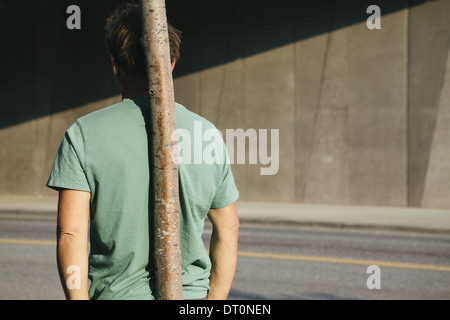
(29, 241)
(347, 261)
(286, 257)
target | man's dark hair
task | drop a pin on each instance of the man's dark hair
(123, 38)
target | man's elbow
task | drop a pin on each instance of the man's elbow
(225, 221)
(235, 226)
(66, 237)
(228, 231)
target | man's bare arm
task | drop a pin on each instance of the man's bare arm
(72, 242)
(223, 250)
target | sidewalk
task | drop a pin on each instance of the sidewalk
(340, 216)
(336, 216)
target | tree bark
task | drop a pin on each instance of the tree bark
(155, 41)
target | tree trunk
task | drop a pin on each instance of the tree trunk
(155, 40)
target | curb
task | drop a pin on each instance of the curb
(344, 225)
(339, 217)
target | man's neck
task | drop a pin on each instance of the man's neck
(134, 87)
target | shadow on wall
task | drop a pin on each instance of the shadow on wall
(47, 68)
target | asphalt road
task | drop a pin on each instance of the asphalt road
(275, 262)
(332, 264)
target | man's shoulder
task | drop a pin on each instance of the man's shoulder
(103, 114)
(115, 117)
(187, 118)
(131, 111)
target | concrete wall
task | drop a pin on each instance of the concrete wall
(358, 109)
(363, 115)
(50, 76)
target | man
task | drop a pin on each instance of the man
(102, 174)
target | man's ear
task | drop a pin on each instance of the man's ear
(114, 66)
(173, 65)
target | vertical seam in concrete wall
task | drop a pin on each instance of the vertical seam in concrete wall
(317, 105)
(437, 106)
(52, 102)
(408, 48)
(198, 95)
(295, 102)
(198, 77)
(408, 67)
(234, 10)
(406, 103)
(34, 126)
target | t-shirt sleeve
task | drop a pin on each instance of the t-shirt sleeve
(67, 171)
(227, 192)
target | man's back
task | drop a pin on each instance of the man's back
(106, 153)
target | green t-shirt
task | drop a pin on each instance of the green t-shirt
(106, 153)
